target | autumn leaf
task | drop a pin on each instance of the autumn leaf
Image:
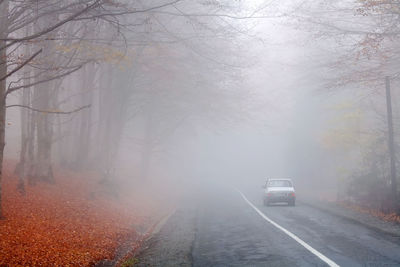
(60, 225)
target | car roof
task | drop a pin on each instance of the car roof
(280, 179)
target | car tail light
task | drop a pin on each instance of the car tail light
(292, 194)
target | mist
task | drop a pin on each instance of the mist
(132, 119)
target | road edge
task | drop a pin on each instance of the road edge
(148, 234)
(171, 242)
(370, 226)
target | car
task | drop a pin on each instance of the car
(279, 190)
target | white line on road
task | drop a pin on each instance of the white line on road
(296, 238)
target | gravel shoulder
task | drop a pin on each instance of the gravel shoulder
(172, 245)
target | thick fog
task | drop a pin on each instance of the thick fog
(174, 93)
(236, 92)
(115, 114)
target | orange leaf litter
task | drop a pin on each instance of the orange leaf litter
(65, 224)
(390, 217)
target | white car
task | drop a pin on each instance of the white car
(279, 190)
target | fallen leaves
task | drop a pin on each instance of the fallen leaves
(65, 224)
(389, 217)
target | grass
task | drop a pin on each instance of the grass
(130, 262)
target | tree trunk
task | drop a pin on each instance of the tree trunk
(43, 168)
(105, 122)
(31, 142)
(44, 99)
(3, 72)
(20, 169)
(113, 107)
(88, 75)
(147, 149)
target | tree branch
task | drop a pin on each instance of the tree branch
(220, 15)
(10, 90)
(22, 65)
(50, 111)
(50, 29)
(127, 12)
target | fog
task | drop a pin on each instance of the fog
(245, 100)
(212, 96)
(164, 97)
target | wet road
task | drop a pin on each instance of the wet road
(229, 232)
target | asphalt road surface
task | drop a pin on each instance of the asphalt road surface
(230, 229)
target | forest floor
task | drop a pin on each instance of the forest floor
(77, 221)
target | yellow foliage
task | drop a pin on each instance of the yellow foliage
(346, 132)
(100, 52)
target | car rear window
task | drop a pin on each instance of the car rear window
(279, 183)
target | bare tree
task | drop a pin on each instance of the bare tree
(17, 15)
(3, 73)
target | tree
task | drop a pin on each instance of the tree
(17, 15)
(3, 74)
(133, 87)
(361, 38)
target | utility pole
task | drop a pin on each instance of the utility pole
(393, 176)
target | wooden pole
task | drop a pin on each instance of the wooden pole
(393, 176)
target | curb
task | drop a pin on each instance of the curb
(155, 228)
(352, 219)
(149, 233)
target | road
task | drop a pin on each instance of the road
(228, 231)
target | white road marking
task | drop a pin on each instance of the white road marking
(296, 238)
